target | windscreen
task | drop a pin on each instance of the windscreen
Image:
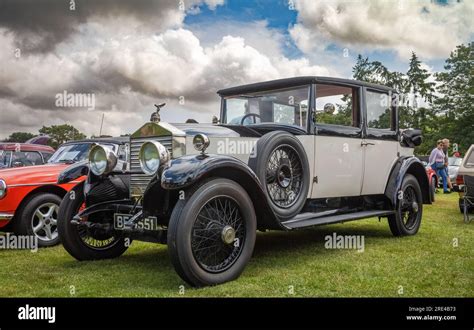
(284, 106)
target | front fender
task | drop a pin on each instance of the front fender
(73, 172)
(185, 171)
(403, 166)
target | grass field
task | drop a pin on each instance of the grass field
(437, 262)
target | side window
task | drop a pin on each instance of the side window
(379, 110)
(337, 105)
(46, 156)
(5, 158)
(27, 158)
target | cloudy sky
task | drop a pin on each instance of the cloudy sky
(132, 54)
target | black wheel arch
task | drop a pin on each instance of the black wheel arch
(73, 172)
(407, 165)
(187, 171)
(51, 189)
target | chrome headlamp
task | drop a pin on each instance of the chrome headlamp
(3, 188)
(201, 142)
(102, 160)
(152, 155)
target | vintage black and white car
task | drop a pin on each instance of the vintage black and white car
(286, 154)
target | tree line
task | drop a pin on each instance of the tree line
(58, 134)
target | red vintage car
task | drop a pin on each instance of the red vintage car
(432, 177)
(433, 180)
(30, 196)
(23, 154)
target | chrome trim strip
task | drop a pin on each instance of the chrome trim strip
(6, 216)
(38, 184)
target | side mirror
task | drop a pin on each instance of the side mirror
(411, 138)
(17, 164)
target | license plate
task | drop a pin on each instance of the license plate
(148, 224)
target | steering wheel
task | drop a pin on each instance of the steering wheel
(255, 115)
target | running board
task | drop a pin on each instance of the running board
(314, 219)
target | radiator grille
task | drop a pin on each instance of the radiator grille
(139, 180)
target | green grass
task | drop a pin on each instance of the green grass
(425, 265)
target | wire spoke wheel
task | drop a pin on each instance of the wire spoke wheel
(282, 167)
(96, 238)
(218, 234)
(211, 232)
(284, 176)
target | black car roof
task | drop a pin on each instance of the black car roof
(297, 81)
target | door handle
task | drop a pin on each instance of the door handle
(365, 143)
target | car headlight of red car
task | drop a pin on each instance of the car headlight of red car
(3, 188)
(102, 160)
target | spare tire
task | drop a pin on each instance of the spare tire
(280, 162)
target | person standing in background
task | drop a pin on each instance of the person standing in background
(446, 161)
(436, 161)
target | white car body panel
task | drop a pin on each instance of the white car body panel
(404, 151)
(379, 159)
(335, 161)
(467, 166)
(338, 166)
(308, 143)
(238, 147)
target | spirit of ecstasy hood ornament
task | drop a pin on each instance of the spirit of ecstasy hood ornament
(155, 116)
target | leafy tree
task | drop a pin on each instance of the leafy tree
(362, 70)
(417, 81)
(19, 137)
(375, 72)
(455, 106)
(383, 121)
(61, 133)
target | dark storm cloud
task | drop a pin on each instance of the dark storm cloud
(38, 25)
(6, 92)
(129, 55)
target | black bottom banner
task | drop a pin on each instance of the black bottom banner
(228, 313)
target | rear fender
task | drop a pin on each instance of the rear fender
(402, 167)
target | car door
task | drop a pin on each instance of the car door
(380, 143)
(338, 165)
